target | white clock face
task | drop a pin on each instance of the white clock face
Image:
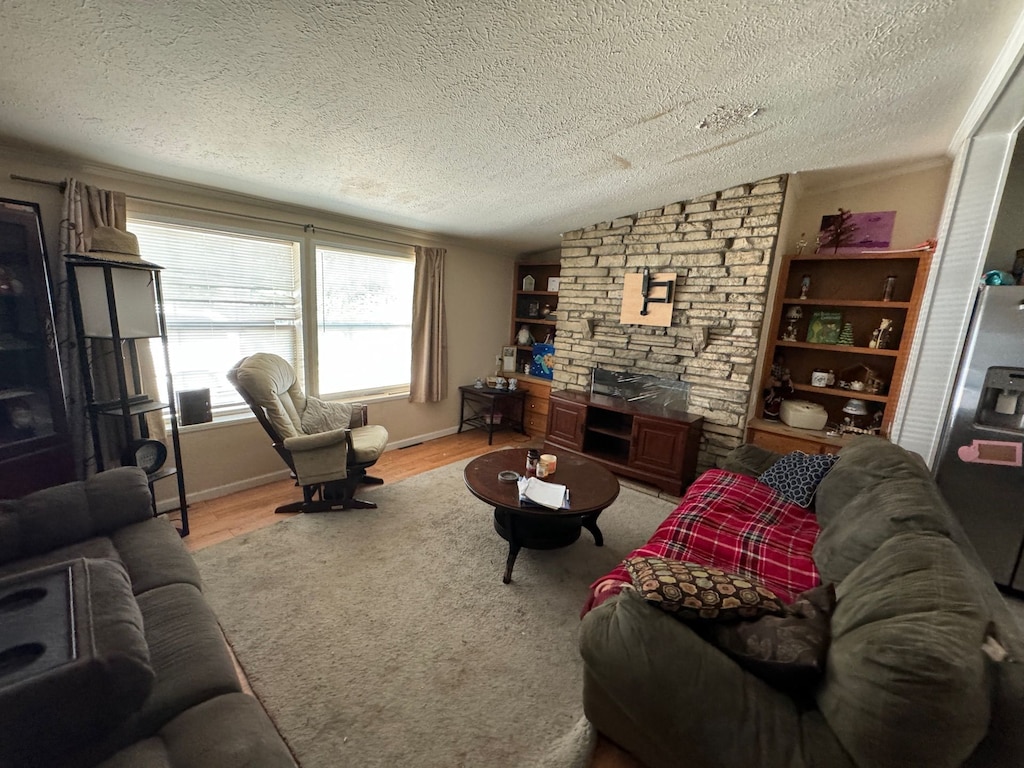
(147, 456)
(150, 455)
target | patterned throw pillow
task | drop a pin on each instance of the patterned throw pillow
(787, 651)
(692, 591)
(796, 475)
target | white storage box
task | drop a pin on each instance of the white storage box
(802, 414)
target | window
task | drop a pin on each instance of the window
(364, 320)
(226, 296)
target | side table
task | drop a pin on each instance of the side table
(492, 409)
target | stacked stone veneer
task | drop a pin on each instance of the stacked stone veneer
(720, 246)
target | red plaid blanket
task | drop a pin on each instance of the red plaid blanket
(735, 523)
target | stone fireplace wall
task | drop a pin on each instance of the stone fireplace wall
(720, 246)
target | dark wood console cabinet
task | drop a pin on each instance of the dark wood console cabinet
(642, 441)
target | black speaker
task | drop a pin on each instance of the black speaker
(194, 407)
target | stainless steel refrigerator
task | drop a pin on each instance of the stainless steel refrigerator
(979, 468)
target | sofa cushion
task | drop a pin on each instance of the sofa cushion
(788, 651)
(65, 514)
(92, 664)
(188, 655)
(797, 475)
(692, 592)
(154, 555)
(907, 682)
(229, 731)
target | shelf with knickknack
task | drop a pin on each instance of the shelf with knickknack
(840, 330)
(534, 308)
(534, 317)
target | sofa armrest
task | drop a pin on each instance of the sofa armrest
(73, 512)
(660, 691)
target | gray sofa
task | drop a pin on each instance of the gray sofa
(905, 681)
(109, 654)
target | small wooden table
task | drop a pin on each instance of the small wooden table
(592, 488)
(487, 403)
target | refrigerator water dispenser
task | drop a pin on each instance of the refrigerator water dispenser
(1001, 404)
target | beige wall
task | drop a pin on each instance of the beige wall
(915, 192)
(221, 458)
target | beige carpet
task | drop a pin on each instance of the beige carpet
(386, 637)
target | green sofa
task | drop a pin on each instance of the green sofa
(906, 681)
(109, 654)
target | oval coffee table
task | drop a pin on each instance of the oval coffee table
(592, 488)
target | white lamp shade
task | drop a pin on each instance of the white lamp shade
(134, 295)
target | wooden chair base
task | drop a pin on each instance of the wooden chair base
(320, 505)
(337, 495)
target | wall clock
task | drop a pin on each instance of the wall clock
(149, 455)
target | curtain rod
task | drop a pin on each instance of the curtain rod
(308, 228)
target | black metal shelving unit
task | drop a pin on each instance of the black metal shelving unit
(132, 404)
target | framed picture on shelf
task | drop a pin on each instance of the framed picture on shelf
(508, 358)
(824, 327)
(553, 283)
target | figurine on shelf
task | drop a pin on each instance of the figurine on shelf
(801, 244)
(524, 338)
(793, 314)
(846, 335)
(778, 387)
(805, 286)
(881, 337)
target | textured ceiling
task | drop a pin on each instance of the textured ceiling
(509, 121)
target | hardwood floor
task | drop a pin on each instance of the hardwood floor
(220, 519)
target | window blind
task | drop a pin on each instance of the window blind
(225, 296)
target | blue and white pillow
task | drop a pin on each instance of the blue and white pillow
(796, 475)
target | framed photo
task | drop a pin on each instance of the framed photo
(508, 358)
(824, 328)
(553, 283)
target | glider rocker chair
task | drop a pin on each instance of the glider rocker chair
(328, 446)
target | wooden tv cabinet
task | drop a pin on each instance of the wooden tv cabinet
(639, 440)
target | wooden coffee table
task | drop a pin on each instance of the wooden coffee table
(592, 488)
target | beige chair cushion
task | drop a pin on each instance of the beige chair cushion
(368, 442)
(271, 383)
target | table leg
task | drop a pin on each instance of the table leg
(490, 423)
(590, 523)
(462, 411)
(513, 549)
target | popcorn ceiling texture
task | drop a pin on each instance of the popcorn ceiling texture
(511, 122)
(720, 247)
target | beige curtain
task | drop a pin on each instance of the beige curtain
(85, 208)
(429, 383)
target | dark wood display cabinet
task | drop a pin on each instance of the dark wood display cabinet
(534, 307)
(35, 447)
(642, 441)
(826, 317)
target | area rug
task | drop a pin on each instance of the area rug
(386, 637)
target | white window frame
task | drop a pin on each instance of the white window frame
(393, 253)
